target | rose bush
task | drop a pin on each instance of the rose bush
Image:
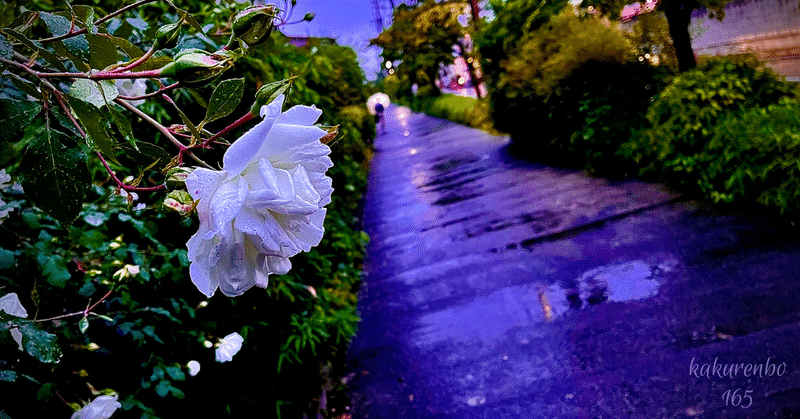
(265, 206)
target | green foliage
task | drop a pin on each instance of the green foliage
(460, 109)
(422, 37)
(684, 116)
(753, 157)
(106, 275)
(514, 20)
(542, 96)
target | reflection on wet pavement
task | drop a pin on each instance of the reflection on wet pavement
(502, 289)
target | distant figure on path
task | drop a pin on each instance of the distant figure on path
(377, 104)
(379, 118)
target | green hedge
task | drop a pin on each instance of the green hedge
(460, 109)
(754, 156)
(684, 116)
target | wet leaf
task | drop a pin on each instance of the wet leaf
(54, 270)
(24, 85)
(154, 63)
(85, 17)
(83, 325)
(14, 116)
(98, 93)
(48, 56)
(95, 125)
(147, 154)
(54, 175)
(59, 25)
(8, 376)
(40, 344)
(126, 46)
(124, 126)
(225, 99)
(103, 51)
(6, 51)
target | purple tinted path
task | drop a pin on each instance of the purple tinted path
(496, 288)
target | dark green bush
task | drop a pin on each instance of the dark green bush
(754, 156)
(612, 101)
(684, 115)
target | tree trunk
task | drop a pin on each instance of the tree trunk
(679, 15)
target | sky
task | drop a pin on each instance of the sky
(350, 22)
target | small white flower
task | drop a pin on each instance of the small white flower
(102, 407)
(265, 206)
(194, 367)
(229, 346)
(132, 88)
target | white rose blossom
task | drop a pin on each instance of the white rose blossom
(102, 407)
(132, 88)
(228, 347)
(265, 206)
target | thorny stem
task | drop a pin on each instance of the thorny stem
(248, 116)
(99, 21)
(162, 129)
(136, 62)
(105, 75)
(85, 313)
(156, 93)
(121, 184)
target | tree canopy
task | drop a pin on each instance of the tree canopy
(678, 14)
(422, 37)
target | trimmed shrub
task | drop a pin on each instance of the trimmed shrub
(684, 115)
(460, 109)
(755, 157)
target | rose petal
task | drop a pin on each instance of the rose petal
(243, 150)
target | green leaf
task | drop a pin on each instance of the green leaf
(147, 154)
(43, 395)
(124, 126)
(24, 85)
(86, 17)
(176, 373)
(126, 46)
(162, 389)
(51, 58)
(54, 270)
(83, 325)
(154, 63)
(15, 116)
(55, 175)
(103, 51)
(7, 258)
(40, 344)
(98, 93)
(59, 25)
(187, 17)
(95, 123)
(226, 97)
(6, 51)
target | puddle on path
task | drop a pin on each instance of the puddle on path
(488, 318)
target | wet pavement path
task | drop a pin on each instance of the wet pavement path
(496, 288)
